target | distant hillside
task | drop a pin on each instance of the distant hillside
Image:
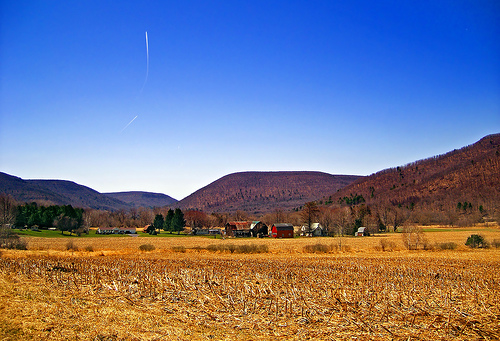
(143, 199)
(261, 192)
(470, 174)
(61, 192)
(57, 192)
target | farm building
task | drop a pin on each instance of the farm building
(116, 230)
(360, 232)
(316, 230)
(239, 229)
(200, 232)
(105, 230)
(282, 231)
(125, 230)
(259, 229)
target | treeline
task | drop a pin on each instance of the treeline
(30, 215)
(173, 222)
(340, 217)
(347, 218)
(64, 218)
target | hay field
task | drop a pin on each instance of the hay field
(352, 244)
(119, 293)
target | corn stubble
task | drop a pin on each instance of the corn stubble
(198, 295)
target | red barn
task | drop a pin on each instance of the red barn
(282, 231)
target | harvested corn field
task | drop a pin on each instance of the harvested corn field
(220, 296)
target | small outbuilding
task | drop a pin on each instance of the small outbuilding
(282, 230)
(361, 232)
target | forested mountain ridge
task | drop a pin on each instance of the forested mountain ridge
(262, 192)
(57, 192)
(463, 181)
(143, 199)
(441, 183)
(62, 192)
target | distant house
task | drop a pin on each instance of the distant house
(238, 229)
(201, 232)
(116, 230)
(282, 231)
(316, 230)
(125, 230)
(105, 230)
(360, 232)
(259, 229)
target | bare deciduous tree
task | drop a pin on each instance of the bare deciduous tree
(327, 219)
(280, 216)
(309, 213)
(413, 237)
(7, 209)
(240, 215)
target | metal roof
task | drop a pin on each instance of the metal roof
(240, 225)
(283, 226)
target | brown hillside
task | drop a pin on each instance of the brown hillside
(57, 192)
(143, 199)
(470, 174)
(61, 192)
(261, 192)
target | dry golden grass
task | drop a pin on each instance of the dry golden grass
(120, 293)
(352, 244)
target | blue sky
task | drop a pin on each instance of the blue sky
(343, 87)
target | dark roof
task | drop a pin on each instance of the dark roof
(283, 226)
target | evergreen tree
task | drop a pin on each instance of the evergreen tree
(167, 225)
(21, 219)
(178, 221)
(158, 222)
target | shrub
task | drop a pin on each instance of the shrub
(230, 247)
(447, 246)
(70, 246)
(496, 243)
(252, 248)
(10, 240)
(318, 248)
(89, 248)
(14, 244)
(245, 248)
(476, 241)
(179, 249)
(147, 247)
(426, 245)
(387, 245)
(213, 248)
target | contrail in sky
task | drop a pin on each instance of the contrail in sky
(147, 61)
(129, 123)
